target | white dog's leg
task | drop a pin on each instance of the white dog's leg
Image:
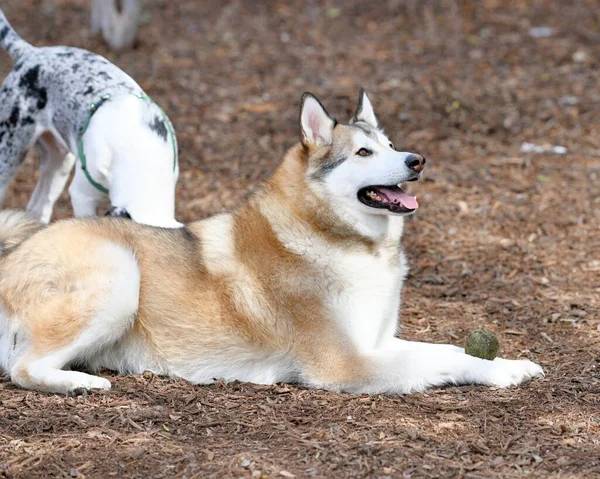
(56, 164)
(411, 371)
(84, 197)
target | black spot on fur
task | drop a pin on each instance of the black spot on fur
(18, 66)
(90, 57)
(89, 91)
(104, 76)
(30, 79)
(43, 99)
(75, 67)
(14, 117)
(158, 127)
(3, 33)
(30, 82)
(65, 54)
(2, 133)
(27, 120)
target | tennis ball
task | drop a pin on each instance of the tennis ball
(482, 343)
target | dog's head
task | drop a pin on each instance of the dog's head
(356, 165)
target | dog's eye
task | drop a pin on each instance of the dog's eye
(392, 146)
(364, 152)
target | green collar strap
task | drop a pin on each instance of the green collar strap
(93, 108)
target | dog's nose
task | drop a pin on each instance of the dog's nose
(415, 162)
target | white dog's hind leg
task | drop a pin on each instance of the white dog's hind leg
(74, 327)
(84, 197)
(46, 374)
(56, 164)
(142, 180)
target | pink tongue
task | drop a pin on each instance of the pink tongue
(396, 195)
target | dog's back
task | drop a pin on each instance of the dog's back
(58, 84)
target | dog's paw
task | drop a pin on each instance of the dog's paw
(507, 372)
(84, 384)
(117, 212)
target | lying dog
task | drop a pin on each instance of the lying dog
(301, 283)
(69, 101)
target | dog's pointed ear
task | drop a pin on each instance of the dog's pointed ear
(364, 110)
(315, 123)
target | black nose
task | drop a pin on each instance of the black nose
(415, 162)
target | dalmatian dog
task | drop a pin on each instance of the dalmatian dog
(80, 109)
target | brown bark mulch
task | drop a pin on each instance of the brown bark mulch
(505, 240)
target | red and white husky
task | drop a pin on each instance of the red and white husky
(301, 283)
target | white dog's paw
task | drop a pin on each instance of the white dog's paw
(507, 372)
(84, 382)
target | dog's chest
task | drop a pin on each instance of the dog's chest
(366, 305)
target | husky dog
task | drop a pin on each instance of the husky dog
(69, 102)
(300, 284)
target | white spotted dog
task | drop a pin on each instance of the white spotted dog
(78, 108)
(301, 283)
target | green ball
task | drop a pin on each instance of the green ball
(482, 343)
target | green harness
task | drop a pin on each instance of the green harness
(93, 108)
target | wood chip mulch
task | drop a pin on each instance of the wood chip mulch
(504, 239)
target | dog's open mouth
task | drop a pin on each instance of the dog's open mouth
(392, 198)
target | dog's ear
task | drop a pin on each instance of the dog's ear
(315, 123)
(364, 110)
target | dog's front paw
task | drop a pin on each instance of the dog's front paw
(86, 382)
(507, 372)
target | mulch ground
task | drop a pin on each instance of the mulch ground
(504, 239)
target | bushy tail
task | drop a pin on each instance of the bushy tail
(11, 41)
(15, 227)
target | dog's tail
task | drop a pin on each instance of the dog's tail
(15, 227)
(11, 41)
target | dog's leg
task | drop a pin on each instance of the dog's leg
(56, 164)
(76, 324)
(397, 371)
(84, 197)
(118, 25)
(404, 372)
(16, 136)
(96, 16)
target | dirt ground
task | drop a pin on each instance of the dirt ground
(505, 240)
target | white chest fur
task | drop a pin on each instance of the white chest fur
(367, 304)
